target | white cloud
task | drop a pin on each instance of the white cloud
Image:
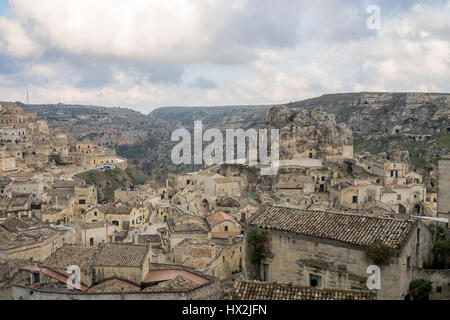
(14, 40)
(135, 52)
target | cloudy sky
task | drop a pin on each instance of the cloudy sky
(148, 53)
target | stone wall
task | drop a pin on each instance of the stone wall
(440, 280)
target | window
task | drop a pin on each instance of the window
(315, 280)
(323, 178)
(369, 199)
(415, 196)
(355, 199)
(91, 242)
(95, 213)
(399, 197)
(408, 262)
(226, 228)
(82, 201)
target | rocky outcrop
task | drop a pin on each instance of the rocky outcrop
(310, 134)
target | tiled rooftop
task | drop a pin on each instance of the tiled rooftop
(187, 227)
(17, 239)
(122, 255)
(169, 274)
(219, 217)
(179, 283)
(203, 252)
(68, 256)
(114, 286)
(250, 290)
(95, 224)
(13, 223)
(348, 228)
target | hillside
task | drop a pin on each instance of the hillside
(381, 122)
(213, 117)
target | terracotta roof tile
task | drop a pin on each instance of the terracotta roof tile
(354, 229)
(250, 290)
(219, 217)
(122, 255)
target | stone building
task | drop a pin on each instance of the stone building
(327, 250)
(391, 171)
(403, 199)
(212, 257)
(94, 233)
(292, 188)
(7, 164)
(32, 243)
(123, 261)
(67, 201)
(186, 227)
(355, 196)
(110, 272)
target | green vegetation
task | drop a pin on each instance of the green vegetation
(444, 140)
(57, 159)
(109, 180)
(257, 242)
(417, 162)
(417, 149)
(420, 288)
(137, 176)
(379, 253)
(441, 250)
(139, 150)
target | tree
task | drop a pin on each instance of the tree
(257, 241)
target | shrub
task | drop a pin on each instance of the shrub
(420, 287)
(379, 253)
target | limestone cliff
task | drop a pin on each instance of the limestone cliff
(310, 134)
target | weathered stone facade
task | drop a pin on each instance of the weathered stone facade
(303, 259)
